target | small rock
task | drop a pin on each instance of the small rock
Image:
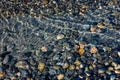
(60, 76)
(100, 71)
(76, 47)
(71, 67)
(91, 67)
(84, 7)
(41, 66)
(7, 59)
(81, 51)
(65, 65)
(59, 63)
(29, 78)
(82, 44)
(106, 63)
(44, 2)
(77, 67)
(65, 45)
(93, 50)
(87, 78)
(112, 77)
(88, 73)
(22, 65)
(60, 36)
(81, 65)
(98, 30)
(18, 74)
(114, 64)
(52, 72)
(100, 25)
(118, 66)
(92, 29)
(77, 62)
(117, 71)
(37, 52)
(24, 73)
(56, 67)
(119, 54)
(2, 74)
(44, 49)
(94, 66)
(108, 72)
(110, 68)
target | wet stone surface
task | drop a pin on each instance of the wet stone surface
(60, 40)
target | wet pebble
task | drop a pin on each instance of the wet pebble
(65, 65)
(117, 72)
(56, 67)
(52, 72)
(100, 25)
(18, 74)
(117, 67)
(119, 54)
(44, 49)
(59, 36)
(37, 52)
(93, 50)
(44, 2)
(41, 66)
(101, 71)
(24, 73)
(112, 77)
(81, 51)
(7, 59)
(2, 74)
(92, 29)
(22, 65)
(82, 65)
(59, 63)
(88, 73)
(110, 68)
(71, 67)
(60, 76)
(77, 62)
(114, 64)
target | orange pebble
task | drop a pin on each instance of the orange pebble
(93, 50)
(81, 51)
(2, 74)
(100, 25)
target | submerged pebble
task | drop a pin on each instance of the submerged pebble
(81, 51)
(41, 66)
(2, 74)
(100, 25)
(65, 65)
(93, 50)
(44, 49)
(60, 76)
(60, 36)
(22, 65)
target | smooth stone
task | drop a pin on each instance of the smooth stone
(59, 36)
(22, 65)
(7, 59)
(52, 72)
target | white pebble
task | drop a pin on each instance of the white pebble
(119, 54)
(60, 36)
